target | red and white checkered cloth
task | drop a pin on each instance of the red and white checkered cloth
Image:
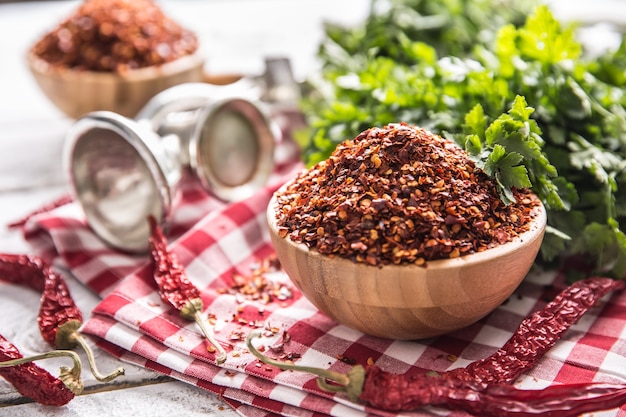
(216, 241)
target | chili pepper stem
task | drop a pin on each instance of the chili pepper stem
(350, 383)
(208, 334)
(70, 376)
(80, 339)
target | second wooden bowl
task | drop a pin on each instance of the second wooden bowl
(409, 301)
(77, 93)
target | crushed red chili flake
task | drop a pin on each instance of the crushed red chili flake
(278, 347)
(256, 324)
(271, 329)
(399, 194)
(115, 36)
(237, 335)
(257, 287)
(345, 359)
(290, 356)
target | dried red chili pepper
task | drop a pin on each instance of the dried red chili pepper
(59, 318)
(482, 387)
(35, 382)
(23, 270)
(539, 332)
(488, 400)
(61, 201)
(175, 287)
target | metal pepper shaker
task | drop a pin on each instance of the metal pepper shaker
(121, 170)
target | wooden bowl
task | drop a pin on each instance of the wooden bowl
(409, 301)
(77, 93)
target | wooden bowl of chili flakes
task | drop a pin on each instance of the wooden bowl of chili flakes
(113, 55)
(400, 236)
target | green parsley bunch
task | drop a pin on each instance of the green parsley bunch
(520, 98)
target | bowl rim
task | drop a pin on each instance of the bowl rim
(536, 231)
(186, 62)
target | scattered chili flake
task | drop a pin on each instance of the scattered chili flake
(115, 36)
(278, 347)
(257, 287)
(270, 330)
(255, 324)
(344, 359)
(237, 335)
(399, 194)
(290, 356)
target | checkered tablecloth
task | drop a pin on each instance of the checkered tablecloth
(219, 242)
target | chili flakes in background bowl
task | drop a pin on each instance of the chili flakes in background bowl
(113, 55)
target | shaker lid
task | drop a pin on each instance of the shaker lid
(232, 148)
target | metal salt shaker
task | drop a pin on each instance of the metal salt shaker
(121, 170)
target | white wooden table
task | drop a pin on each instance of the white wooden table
(236, 36)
